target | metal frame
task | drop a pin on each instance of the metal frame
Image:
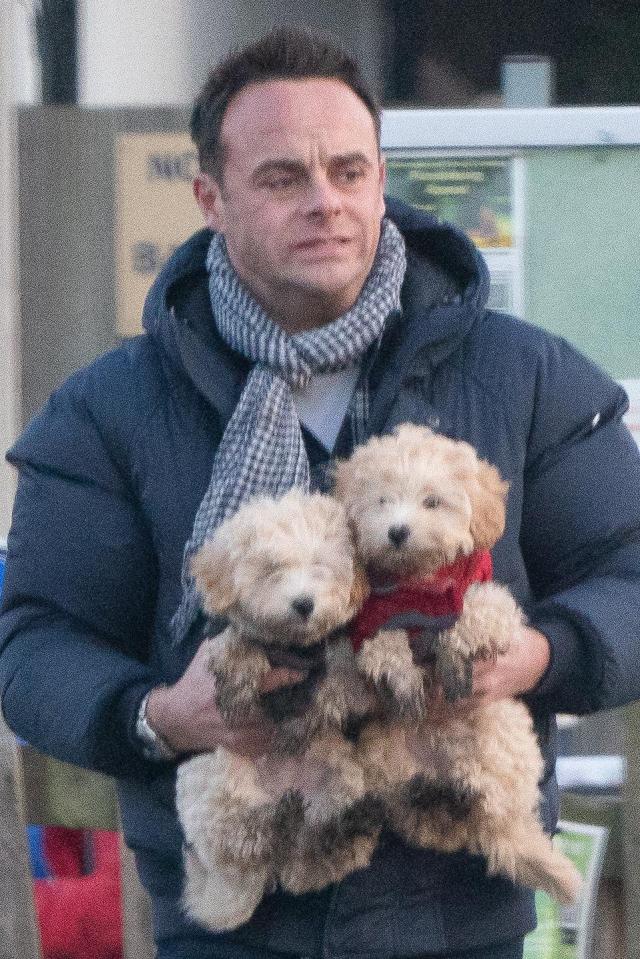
(513, 128)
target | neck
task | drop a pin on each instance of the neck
(300, 313)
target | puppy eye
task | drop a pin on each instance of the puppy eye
(431, 502)
(383, 500)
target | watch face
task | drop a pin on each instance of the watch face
(153, 746)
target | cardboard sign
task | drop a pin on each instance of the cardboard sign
(155, 213)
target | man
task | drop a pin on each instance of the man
(307, 321)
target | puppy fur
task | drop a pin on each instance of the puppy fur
(284, 574)
(451, 778)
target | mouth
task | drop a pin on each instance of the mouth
(401, 563)
(323, 245)
(285, 631)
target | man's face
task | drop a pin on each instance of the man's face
(301, 197)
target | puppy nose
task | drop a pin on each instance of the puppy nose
(303, 606)
(398, 534)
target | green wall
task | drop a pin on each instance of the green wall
(582, 251)
(581, 237)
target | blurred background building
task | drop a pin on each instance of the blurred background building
(431, 52)
(77, 77)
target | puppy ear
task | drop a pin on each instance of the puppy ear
(487, 492)
(359, 588)
(213, 574)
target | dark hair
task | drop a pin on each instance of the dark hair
(288, 53)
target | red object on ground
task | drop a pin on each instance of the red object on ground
(79, 913)
(437, 595)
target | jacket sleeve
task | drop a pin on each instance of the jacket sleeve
(78, 597)
(581, 535)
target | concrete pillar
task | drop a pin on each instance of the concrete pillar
(148, 52)
(9, 320)
(157, 52)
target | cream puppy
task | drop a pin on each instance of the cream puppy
(425, 510)
(283, 572)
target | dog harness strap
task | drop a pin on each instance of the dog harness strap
(420, 622)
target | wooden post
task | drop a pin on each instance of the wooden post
(9, 327)
(18, 932)
(136, 910)
(19, 938)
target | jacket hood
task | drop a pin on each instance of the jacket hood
(177, 311)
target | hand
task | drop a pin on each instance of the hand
(187, 718)
(517, 671)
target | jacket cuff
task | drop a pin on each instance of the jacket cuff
(127, 713)
(572, 677)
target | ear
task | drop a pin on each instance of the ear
(213, 574)
(382, 184)
(487, 492)
(208, 196)
(360, 588)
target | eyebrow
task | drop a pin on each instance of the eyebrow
(298, 166)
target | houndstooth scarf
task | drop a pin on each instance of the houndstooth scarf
(262, 450)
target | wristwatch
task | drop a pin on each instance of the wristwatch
(153, 746)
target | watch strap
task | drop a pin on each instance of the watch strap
(153, 746)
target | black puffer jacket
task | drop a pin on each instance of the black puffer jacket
(111, 474)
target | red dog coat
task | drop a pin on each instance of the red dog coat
(439, 595)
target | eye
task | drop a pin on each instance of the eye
(269, 568)
(351, 175)
(383, 500)
(431, 502)
(278, 184)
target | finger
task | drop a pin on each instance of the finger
(484, 675)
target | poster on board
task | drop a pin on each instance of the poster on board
(155, 212)
(632, 417)
(565, 932)
(483, 195)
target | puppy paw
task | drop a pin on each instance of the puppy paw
(235, 698)
(237, 686)
(402, 700)
(453, 669)
(364, 818)
(221, 898)
(387, 661)
(490, 620)
(452, 801)
(343, 694)
(256, 837)
(286, 822)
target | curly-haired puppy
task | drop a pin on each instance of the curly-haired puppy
(425, 510)
(283, 573)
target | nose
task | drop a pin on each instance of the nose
(323, 198)
(398, 535)
(303, 606)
